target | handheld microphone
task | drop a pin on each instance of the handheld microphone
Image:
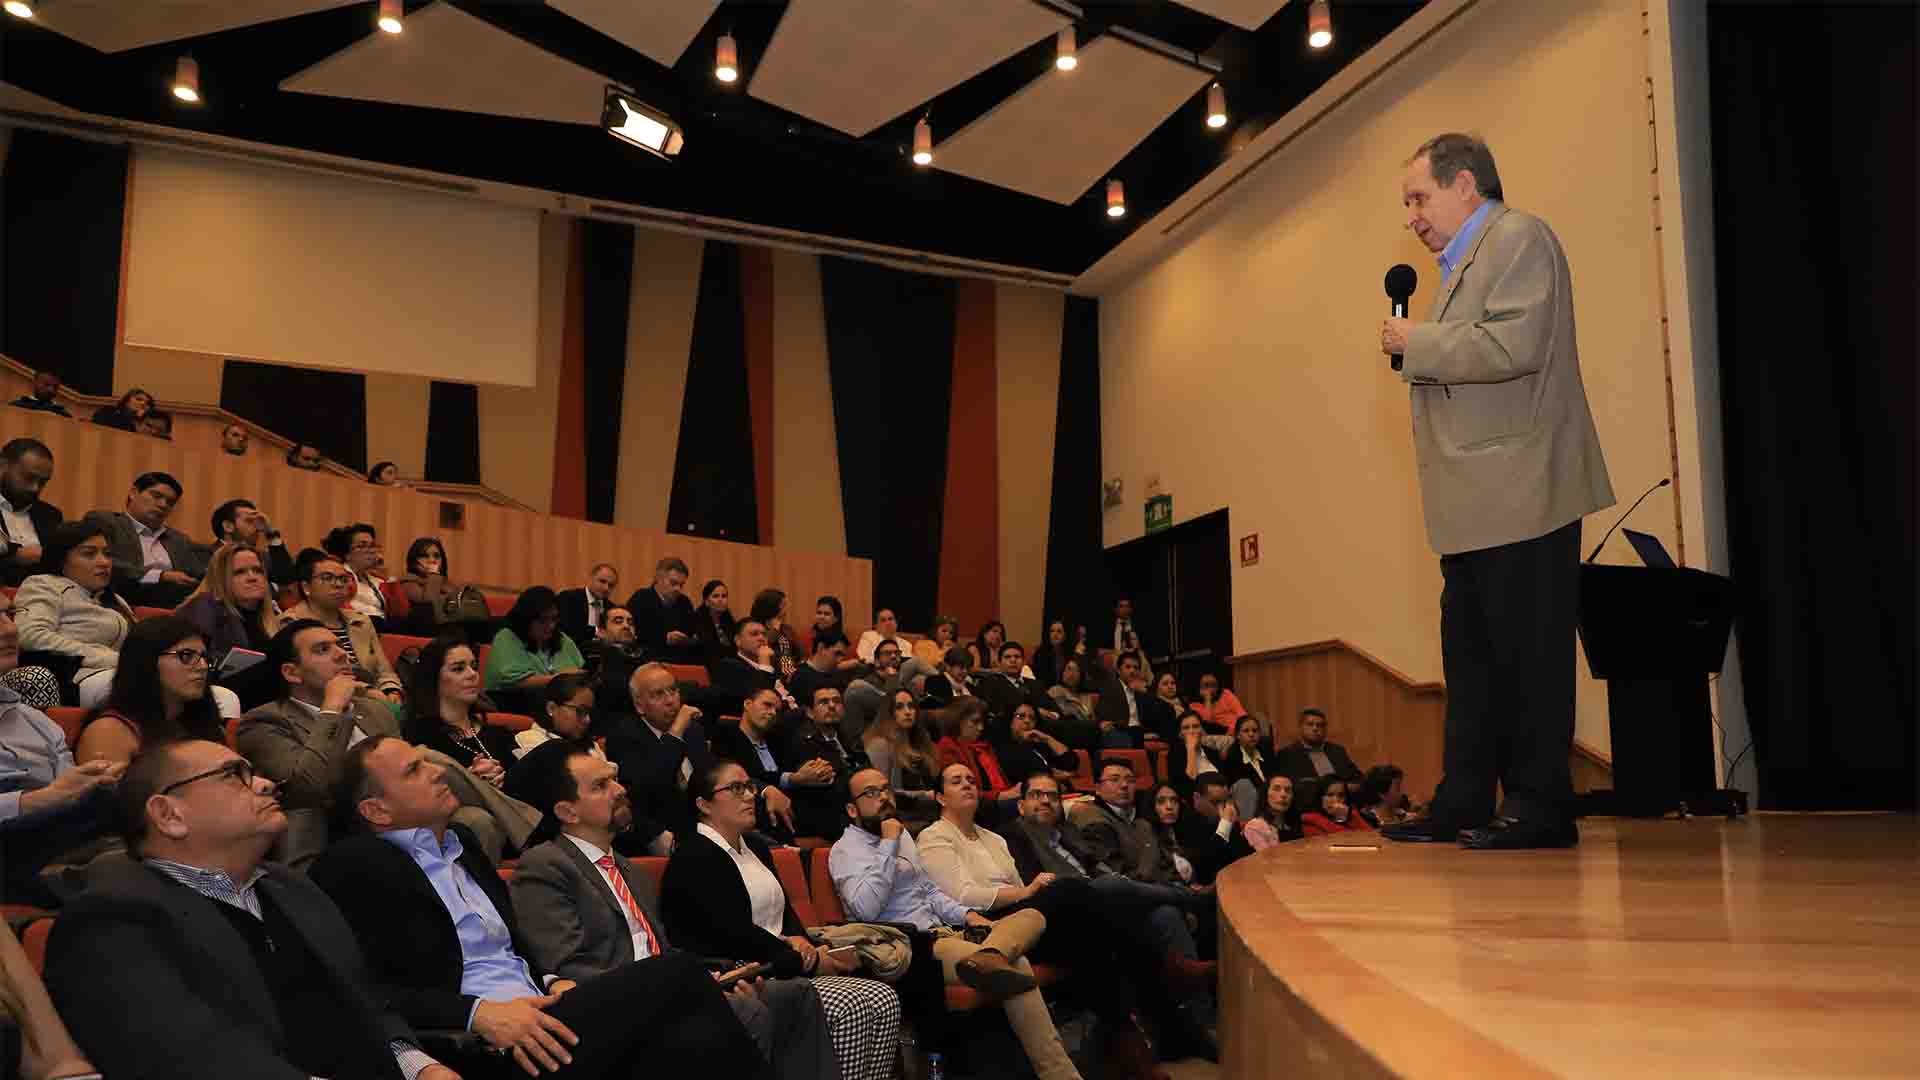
(1401, 281)
(1623, 517)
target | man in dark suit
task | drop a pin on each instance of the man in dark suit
(1126, 710)
(1119, 634)
(953, 680)
(659, 749)
(196, 959)
(26, 467)
(663, 616)
(752, 744)
(818, 764)
(585, 911)
(239, 521)
(440, 933)
(1311, 756)
(749, 669)
(582, 610)
(152, 564)
(1004, 690)
(45, 396)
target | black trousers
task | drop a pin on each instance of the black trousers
(1506, 635)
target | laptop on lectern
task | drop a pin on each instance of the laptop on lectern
(1652, 551)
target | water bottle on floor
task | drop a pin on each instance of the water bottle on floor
(936, 1068)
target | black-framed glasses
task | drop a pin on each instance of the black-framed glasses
(237, 770)
(1043, 795)
(188, 657)
(745, 789)
(874, 792)
(333, 579)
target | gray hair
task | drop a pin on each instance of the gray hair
(669, 565)
(1449, 153)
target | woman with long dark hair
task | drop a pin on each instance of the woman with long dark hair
(931, 650)
(410, 595)
(1276, 822)
(531, 649)
(713, 622)
(126, 413)
(985, 646)
(444, 711)
(830, 624)
(384, 474)
(159, 693)
(770, 610)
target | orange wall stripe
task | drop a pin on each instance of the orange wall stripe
(756, 311)
(970, 513)
(570, 412)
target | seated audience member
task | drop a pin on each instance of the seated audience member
(33, 685)
(411, 596)
(1120, 635)
(659, 749)
(239, 521)
(1312, 755)
(750, 744)
(530, 650)
(1073, 702)
(713, 623)
(304, 456)
(567, 716)
(47, 1049)
(613, 656)
(439, 930)
(152, 564)
(1381, 797)
(972, 864)
(931, 650)
(26, 467)
(325, 586)
(70, 608)
(357, 546)
(45, 395)
(822, 669)
(1050, 660)
(319, 710)
(953, 681)
(1127, 713)
(158, 423)
(585, 911)
(1333, 814)
(125, 414)
(233, 609)
(770, 611)
(1023, 748)
(750, 668)
(384, 474)
(867, 693)
(445, 712)
(1248, 765)
(1166, 687)
(583, 610)
(1198, 832)
(1188, 758)
(879, 877)
(818, 762)
(897, 744)
(886, 627)
(1004, 687)
(829, 622)
(721, 896)
(985, 647)
(962, 727)
(663, 618)
(1277, 821)
(1118, 834)
(1219, 708)
(234, 440)
(222, 964)
(159, 693)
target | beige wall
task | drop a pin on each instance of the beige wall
(666, 282)
(170, 375)
(1027, 365)
(397, 421)
(517, 425)
(806, 469)
(1244, 369)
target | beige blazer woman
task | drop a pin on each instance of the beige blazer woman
(56, 614)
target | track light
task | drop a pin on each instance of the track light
(186, 80)
(726, 59)
(1116, 199)
(1216, 106)
(923, 143)
(19, 9)
(390, 13)
(1319, 24)
(633, 121)
(1066, 49)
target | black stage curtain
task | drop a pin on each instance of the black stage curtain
(607, 251)
(1077, 588)
(453, 433)
(327, 409)
(63, 204)
(890, 357)
(1813, 111)
(713, 481)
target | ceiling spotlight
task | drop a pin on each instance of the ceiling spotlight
(633, 121)
(390, 12)
(1216, 106)
(19, 9)
(1319, 24)
(1065, 48)
(1116, 199)
(726, 59)
(923, 143)
(186, 80)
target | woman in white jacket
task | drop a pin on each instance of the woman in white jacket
(68, 608)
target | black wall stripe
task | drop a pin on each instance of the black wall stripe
(62, 210)
(607, 255)
(453, 433)
(890, 357)
(713, 492)
(1077, 586)
(327, 409)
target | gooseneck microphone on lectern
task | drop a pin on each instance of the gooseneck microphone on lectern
(1401, 281)
(1623, 517)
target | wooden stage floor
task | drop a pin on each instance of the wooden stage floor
(1776, 945)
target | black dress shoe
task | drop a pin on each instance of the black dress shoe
(1421, 832)
(1511, 834)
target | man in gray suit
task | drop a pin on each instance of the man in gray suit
(1509, 464)
(152, 564)
(585, 910)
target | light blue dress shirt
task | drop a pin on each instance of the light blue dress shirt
(1462, 241)
(491, 970)
(33, 753)
(883, 881)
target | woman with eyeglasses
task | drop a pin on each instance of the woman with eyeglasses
(722, 898)
(159, 693)
(530, 651)
(444, 713)
(326, 588)
(568, 715)
(409, 596)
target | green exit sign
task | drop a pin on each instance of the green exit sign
(1159, 513)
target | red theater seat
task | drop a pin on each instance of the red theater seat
(826, 899)
(141, 614)
(793, 879)
(510, 721)
(654, 866)
(395, 644)
(500, 605)
(34, 943)
(69, 718)
(690, 673)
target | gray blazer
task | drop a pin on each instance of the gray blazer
(1505, 442)
(572, 922)
(56, 615)
(130, 561)
(299, 751)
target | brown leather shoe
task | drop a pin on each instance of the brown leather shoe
(989, 972)
(1130, 1056)
(1188, 977)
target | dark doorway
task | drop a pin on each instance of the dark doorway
(1181, 582)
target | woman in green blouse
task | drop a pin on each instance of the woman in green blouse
(530, 650)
